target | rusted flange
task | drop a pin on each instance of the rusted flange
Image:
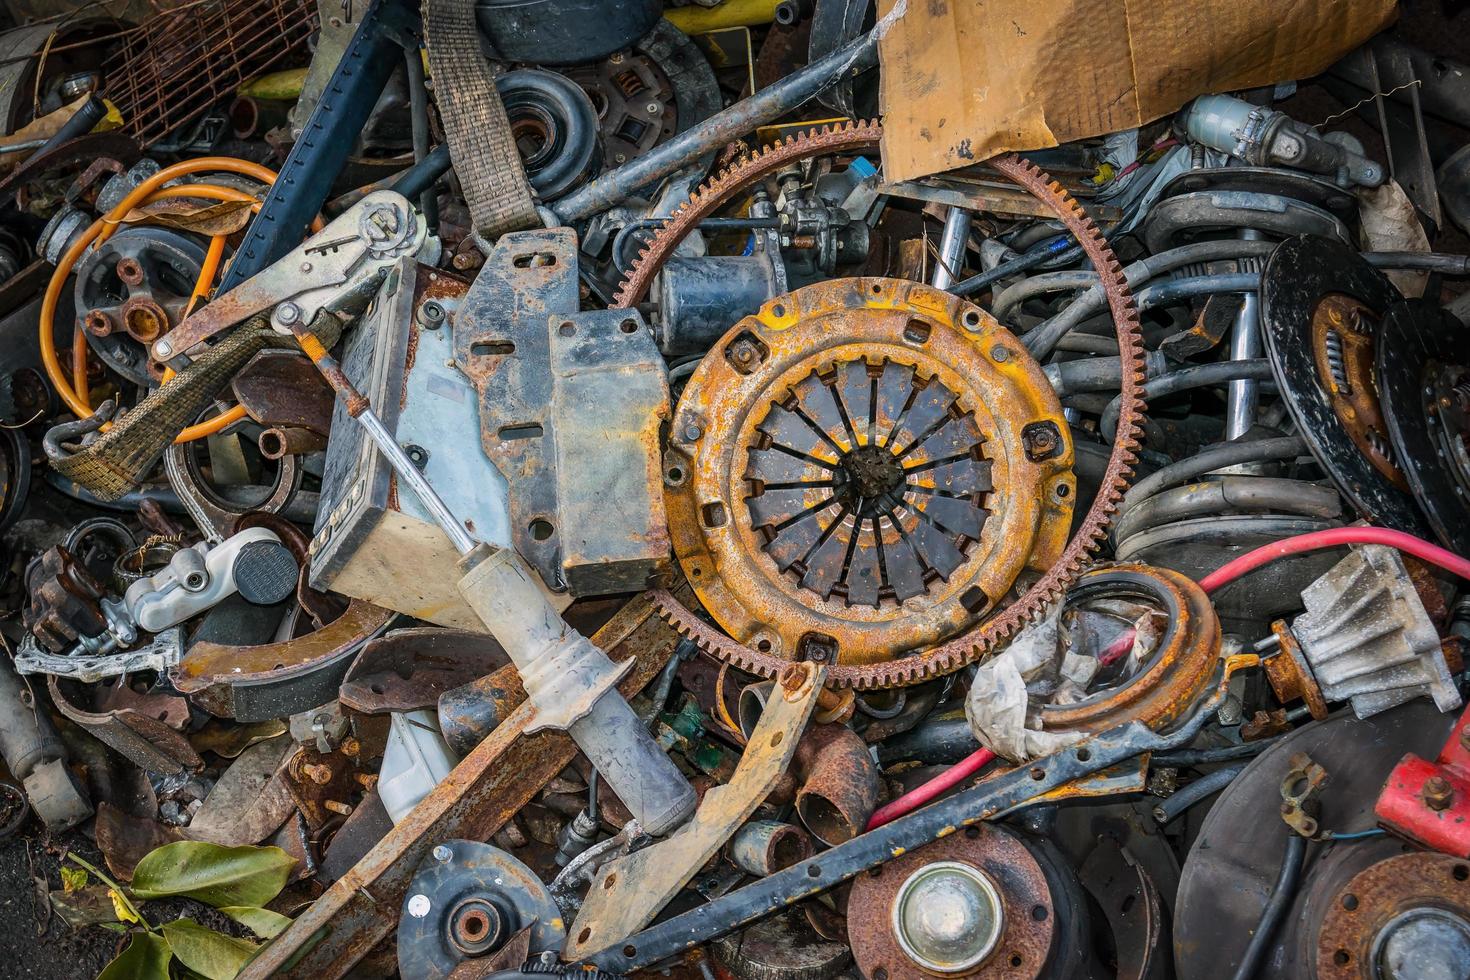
(862, 468)
(1290, 676)
(1180, 668)
(1358, 932)
(1028, 916)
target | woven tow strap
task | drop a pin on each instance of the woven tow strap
(480, 141)
(119, 460)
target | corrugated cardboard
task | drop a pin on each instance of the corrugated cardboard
(963, 80)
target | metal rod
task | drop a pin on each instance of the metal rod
(952, 247)
(767, 105)
(1244, 396)
(409, 474)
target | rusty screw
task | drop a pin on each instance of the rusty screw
(1438, 793)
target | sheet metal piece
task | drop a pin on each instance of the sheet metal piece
(629, 891)
(501, 775)
(502, 345)
(609, 514)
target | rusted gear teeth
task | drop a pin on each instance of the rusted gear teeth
(718, 190)
(990, 634)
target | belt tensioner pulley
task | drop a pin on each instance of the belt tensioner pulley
(865, 467)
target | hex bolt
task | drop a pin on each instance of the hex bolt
(288, 313)
(1438, 793)
(1000, 353)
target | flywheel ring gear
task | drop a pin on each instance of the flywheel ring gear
(863, 468)
(973, 645)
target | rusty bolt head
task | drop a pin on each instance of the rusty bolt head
(999, 353)
(1438, 793)
(692, 431)
(345, 809)
(463, 260)
(792, 676)
(1041, 440)
(319, 774)
(743, 352)
(98, 323)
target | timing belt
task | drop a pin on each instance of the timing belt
(475, 123)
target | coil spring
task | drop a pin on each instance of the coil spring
(1336, 366)
(1382, 447)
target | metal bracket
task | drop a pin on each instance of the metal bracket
(629, 891)
(1429, 802)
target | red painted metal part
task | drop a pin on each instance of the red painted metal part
(1429, 802)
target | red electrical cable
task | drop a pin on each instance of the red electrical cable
(920, 795)
(1331, 538)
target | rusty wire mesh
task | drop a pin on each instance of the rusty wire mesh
(176, 66)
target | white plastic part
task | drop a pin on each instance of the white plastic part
(415, 761)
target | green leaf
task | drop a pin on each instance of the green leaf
(213, 874)
(146, 958)
(263, 922)
(205, 951)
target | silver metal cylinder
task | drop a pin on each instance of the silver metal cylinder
(952, 247)
(1242, 397)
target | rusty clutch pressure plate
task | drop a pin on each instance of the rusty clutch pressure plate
(862, 468)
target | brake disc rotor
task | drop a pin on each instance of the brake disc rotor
(1321, 306)
(1423, 362)
(865, 467)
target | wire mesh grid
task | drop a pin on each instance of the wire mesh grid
(172, 69)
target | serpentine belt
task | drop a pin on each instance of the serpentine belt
(476, 125)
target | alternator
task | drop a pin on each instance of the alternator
(862, 468)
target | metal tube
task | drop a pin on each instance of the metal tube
(770, 103)
(418, 100)
(1244, 395)
(952, 247)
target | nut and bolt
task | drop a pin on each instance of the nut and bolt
(319, 774)
(288, 313)
(1438, 793)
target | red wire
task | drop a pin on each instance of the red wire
(1331, 538)
(920, 795)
